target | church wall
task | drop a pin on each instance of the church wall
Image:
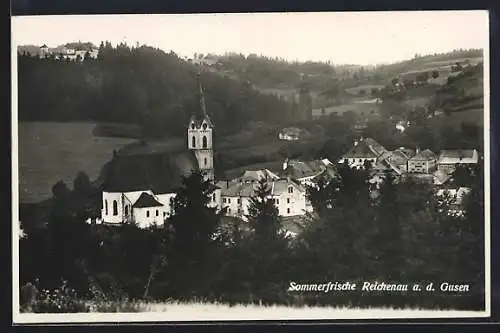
(110, 216)
(143, 220)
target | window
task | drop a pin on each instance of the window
(288, 210)
(287, 200)
(106, 206)
(192, 126)
(277, 201)
(147, 213)
(223, 200)
(238, 200)
(290, 189)
(126, 210)
(205, 161)
(229, 200)
(193, 141)
(213, 197)
(157, 212)
(205, 144)
(164, 214)
(115, 207)
(229, 210)
(204, 126)
(239, 211)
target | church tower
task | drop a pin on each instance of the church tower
(199, 136)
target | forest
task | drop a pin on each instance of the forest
(136, 85)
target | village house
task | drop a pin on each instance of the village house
(288, 196)
(449, 159)
(364, 151)
(307, 173)
(424, 161)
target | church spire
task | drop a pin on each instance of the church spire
(201, 111)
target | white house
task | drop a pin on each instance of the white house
(288, 196)
(449, 159)
(423, 162)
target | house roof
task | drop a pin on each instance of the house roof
(160, 173)
(300, 169)
(255, 175)
(458, 156)
(366, 148)
(241, 189)
(146, 200)
(424, 155)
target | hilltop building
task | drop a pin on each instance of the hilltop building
(63, 52)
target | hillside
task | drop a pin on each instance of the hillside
(142, 86)
(332, 84)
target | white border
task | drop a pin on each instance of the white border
(201, 314)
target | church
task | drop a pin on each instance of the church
(139, 186)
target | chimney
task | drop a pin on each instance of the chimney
(285, 164)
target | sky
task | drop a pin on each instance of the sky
(362, 38)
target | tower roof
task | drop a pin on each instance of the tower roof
(200, 113)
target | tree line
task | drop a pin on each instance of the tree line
(400, 235)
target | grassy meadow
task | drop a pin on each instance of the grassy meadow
(49, 152)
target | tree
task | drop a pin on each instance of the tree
(263, 215)
(194, 226)
(267, 245)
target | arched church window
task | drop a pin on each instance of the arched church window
(204, 126)
(205, 161)
(192, 126)
(115, 207)
(193, 141)
(106, 207)
(205, 144)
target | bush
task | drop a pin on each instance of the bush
(60, 300)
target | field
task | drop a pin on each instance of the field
(49, 152)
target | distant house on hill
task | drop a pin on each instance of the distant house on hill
(423, 162)
(292, 134)
(449, 159)
(78, 52)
